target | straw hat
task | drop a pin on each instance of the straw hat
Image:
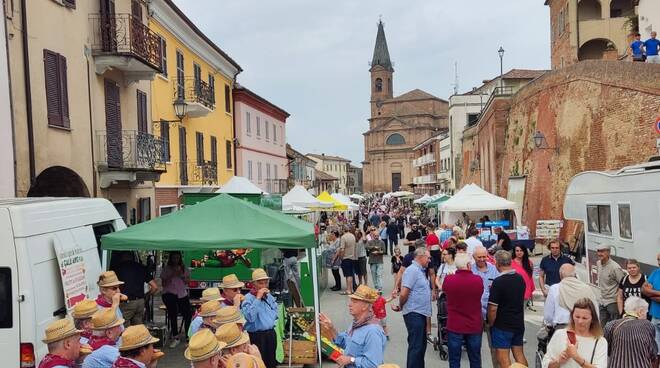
(231, 282)
(243, 360)
(84, 309)
(228, 315)
(60, 330)
(203, 345)
(136, 336)
(105, 319)
(209, 309)
(259, 274)
(365, 293)
(211, 294)
(231, 335)
(109, 278)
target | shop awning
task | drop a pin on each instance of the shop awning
(220, 222)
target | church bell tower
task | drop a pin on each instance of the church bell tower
(381, 73)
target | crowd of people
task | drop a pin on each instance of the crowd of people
(487, 290)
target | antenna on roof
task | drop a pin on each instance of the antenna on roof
(455, 84)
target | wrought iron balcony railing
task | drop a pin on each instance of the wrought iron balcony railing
(124, 35)
(194, 91)
(198, 173)
(129, 150)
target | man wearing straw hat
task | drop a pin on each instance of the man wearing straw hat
(208, 311)
(208, 295)
(364, 343)
(260, 311)
(237, 341)
(244, 360)
(231, 291)
(229, 315)
(82, 318)
(110, 295)
(63, 340)
(204, 350)
(137, 348)
(107, 330)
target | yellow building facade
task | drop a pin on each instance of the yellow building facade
(197, 78)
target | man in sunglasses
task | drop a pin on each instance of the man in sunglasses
(110, 296)
(231, 291)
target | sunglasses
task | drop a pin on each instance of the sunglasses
(112, 288)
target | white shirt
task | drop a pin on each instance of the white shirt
(585, 348)
(553, 313)
(472, 242)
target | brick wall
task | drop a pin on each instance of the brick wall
(599, 113)
(166, 197)
(560, 45)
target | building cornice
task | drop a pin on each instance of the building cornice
(244, 95)
(174, 21)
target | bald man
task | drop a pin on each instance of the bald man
(563, 295)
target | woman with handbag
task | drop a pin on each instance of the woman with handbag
(582, 344)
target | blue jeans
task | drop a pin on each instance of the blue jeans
(416, 326)
(455, 343)
(377, 275)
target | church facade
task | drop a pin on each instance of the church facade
(396, 126)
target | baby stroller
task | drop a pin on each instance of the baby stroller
(441, 341)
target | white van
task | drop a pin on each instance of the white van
(620, 209)
(31, 292)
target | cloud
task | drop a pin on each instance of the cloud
(311, 57)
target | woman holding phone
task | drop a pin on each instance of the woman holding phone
(582, 344)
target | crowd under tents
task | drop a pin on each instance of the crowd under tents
(476, 202)
(222, 222)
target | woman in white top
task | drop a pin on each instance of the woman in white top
(582, 344)
(447, 267)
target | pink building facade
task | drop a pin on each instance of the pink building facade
(261, 141)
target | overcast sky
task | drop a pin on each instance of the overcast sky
(311, 58)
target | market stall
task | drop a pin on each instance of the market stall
(221, 223)
(336, 205)
(239, 184)
(345, 200)
(299, 196)
(423, 200)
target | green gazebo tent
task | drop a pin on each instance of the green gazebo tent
(434, 203)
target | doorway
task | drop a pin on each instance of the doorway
(396, 181)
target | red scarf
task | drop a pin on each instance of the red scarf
(86, 334)
(100, 300)
(50, 361)
(366, 320)
(122, 362)
(97, 342)
(204, 325)
(228, 302)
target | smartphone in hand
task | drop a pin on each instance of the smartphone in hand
(571, 337)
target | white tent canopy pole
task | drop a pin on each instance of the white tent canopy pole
(317, 303)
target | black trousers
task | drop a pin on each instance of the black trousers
(176, 306)
(337, 276)
(266, 341)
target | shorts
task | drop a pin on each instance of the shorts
(501, 339)
(348, 267)
(653, 59)
(361, 268)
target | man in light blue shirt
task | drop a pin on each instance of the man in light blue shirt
(415, 299)
(260, 311)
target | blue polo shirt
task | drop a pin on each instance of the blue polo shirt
(487, 278)
(636, 47)
(419, 299)
(550, 267)
(654, 280)
(652, 45)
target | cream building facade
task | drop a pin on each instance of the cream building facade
(80, 101)
(396, 125)
(336, 167)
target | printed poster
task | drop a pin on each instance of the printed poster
(72, 271)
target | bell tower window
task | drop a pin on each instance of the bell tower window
(379, 85)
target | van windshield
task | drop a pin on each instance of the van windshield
(6, 304)
(100, 230)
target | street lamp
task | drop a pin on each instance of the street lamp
(501, 52)
(539, 140)
(180, 108)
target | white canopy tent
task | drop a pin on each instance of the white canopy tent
(356, 197)
(423, 200)
(240, 185)
(345, 200)
(471, 198)
(298, 196)
(403, 193)
(292, 209)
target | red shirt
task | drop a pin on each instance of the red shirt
(432, 239)
(380, 311)
(463, 290)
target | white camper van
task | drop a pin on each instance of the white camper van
(620, 209)
(31, 291)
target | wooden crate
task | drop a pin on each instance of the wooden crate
(302, 352)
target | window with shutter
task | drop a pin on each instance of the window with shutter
(214, 150)
(183, 157)
(227, 99)
(113, 126)
(259, 171)
(212, 87)
(249, 169)
(165, 136)
(180, 87)
(197, 74)
(142, 111)
(228, 148)
(163, 55)
(69, 3)
(258, 127)
(274, 133)
(248, 129)
(275, 172)
(57, 100)
(267, 129)
(144, 209)
(200, 148)
(136, 10)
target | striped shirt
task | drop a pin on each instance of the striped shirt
(632, 342)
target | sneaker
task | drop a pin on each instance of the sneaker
(174, 343)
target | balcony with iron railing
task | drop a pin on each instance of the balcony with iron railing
(429, 158)
(425, 179)
(198, 95)
(128, 155)
(197, 173)
(120, 41)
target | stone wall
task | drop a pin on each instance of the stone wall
(595, 115)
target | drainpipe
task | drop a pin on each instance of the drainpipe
(233, 122)
(28, 90)
(91, 122)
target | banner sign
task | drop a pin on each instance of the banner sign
(72, 271)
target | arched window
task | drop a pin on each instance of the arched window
(389, 85)
(379, 85)
(395, 139)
